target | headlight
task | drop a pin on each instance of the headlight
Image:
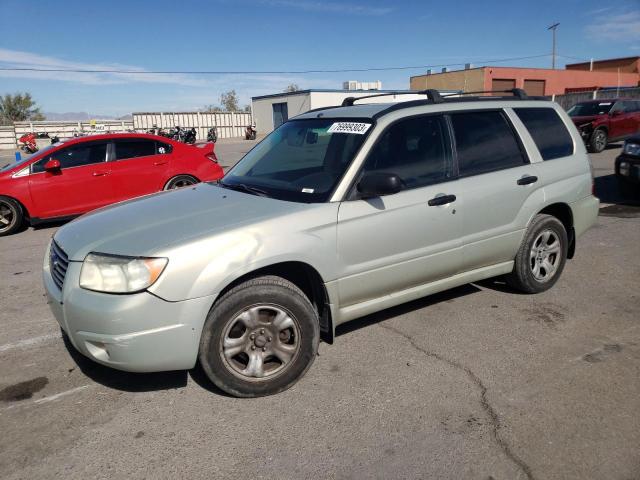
(632, 149)
(118, 274)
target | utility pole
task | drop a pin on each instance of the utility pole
(553, 55)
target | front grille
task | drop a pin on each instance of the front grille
(58, 264)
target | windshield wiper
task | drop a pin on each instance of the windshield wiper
(241, 187)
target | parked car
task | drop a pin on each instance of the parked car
(628, 167)
(601, 122)
(70, 178)
(339, 213)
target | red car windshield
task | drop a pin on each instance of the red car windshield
(588, 109)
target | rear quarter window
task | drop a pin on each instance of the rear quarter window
(548, 131)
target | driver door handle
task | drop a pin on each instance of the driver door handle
(100, 173)
(527, 179)
(441, 200)
(160, 162)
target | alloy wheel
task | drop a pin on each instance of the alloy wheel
(7, 216)
(545, 255)
(260, 342)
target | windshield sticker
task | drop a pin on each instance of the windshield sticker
(349, 127)
(307, 190)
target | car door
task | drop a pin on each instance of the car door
(139, 166)
(619, 121)
(82, 183)
(395, 242)
(495, 181)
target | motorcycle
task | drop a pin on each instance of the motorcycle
(250, 132)
(28, 141)
(189, 136)
(212, 135)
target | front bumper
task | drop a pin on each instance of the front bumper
(136, 333)
(627, 168)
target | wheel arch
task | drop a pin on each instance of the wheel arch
(562, 211)
(173, 177)
(25, 210)
(307, 279)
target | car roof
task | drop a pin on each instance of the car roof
(112, 136)
(375, 110)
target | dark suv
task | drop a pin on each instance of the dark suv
(608, 120)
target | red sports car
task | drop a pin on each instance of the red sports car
(75, 176)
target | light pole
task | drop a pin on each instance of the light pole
(553, 55)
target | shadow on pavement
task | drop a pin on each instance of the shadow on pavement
(446, 296)
(608, 191)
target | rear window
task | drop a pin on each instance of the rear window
(548, 131)
(485, 142)
(134, 148)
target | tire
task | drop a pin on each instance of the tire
(11, 216)
(180, 181)
(260, 338)
(539, 261)
(598, 140)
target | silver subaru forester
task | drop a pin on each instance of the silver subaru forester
(338, 213)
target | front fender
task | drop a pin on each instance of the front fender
(204, 267)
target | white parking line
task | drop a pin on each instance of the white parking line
(61, 394)
(29, 342)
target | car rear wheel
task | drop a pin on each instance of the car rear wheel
(260, 338)
(11, 216)
(180, 181)
(598, 141)
(541, 257)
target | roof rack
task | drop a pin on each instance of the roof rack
(516, 92)
(434, 95)
(431, 94)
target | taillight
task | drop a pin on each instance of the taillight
(212, 156)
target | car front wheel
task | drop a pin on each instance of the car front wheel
(598, 141)
(11, 216)
(541, 257)
(260, 338)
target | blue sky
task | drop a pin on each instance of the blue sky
(267, 35)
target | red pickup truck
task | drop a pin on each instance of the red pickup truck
(604, 121)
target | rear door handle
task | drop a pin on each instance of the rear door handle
(100, 174)
(441, 200)
(527, 180)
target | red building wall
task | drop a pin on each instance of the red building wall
(557, 81)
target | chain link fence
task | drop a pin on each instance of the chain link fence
(568, 100)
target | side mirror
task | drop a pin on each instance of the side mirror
(52, 166)
(616, 113)
(379, 184)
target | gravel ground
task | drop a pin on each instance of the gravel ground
(478, 382)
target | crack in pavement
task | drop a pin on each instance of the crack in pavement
(486, 406)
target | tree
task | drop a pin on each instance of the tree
(229, 101)
(18, 108)
(211, 109)
(292, 87)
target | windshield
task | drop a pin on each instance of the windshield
(590, 108)
(8, 166)
(302, 161)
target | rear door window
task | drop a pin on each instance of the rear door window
(485, 142)
(133, 148)
(548, 131)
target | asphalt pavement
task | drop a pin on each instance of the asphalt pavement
(479, 382)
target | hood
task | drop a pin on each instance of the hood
(144, 225)
(581, 120)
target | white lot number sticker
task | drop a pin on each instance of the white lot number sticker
(349, 127)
